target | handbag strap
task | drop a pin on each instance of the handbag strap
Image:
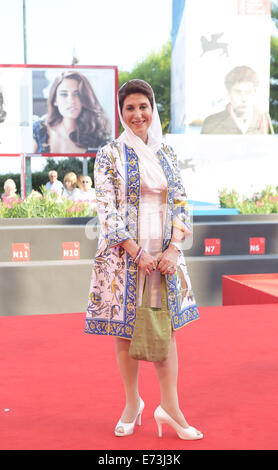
(163, 291)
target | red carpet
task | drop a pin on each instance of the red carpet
(60, 388)
(247, 289)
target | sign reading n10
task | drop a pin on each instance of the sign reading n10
(212, 246)
(257, 246)
(20, 251)
(71, 250)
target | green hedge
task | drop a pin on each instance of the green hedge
(46, 204)
(264, 202)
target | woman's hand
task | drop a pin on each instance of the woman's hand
(167, 261)
(148, 263)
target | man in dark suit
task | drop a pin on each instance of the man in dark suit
(241, 115)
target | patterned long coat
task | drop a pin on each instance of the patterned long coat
(112, 297)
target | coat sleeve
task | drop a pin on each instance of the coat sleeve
(112, 225)
(181, 214)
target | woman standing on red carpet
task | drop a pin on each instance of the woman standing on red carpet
(143, 214)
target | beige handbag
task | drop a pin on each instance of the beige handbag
(152, 332)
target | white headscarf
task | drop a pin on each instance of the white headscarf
(147, 153)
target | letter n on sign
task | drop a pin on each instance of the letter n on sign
(257, 246)
(71, 250)
(212, 246)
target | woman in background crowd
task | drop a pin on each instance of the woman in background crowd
(70, 191)
(87, 193)
(79, 181)
(9, 191)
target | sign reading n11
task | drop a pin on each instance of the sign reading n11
(20, 251)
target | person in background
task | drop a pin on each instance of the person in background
(87, 193)
(70, 191)
(241, 115)
(9, 191)
(3, 113)
(54, 185)
(79, 181)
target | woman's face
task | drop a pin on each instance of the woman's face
(86, 184)
(137, 114)
(69, 185)
(68, 99)
(9, 190)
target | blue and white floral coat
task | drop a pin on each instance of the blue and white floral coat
(112, 297)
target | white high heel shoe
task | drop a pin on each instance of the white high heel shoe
(128, 428)
(189, 433)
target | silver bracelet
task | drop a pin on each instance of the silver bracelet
(176, 245)
(137, 257)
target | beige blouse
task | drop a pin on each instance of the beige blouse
(151, 223)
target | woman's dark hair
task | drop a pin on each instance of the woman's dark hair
(135, 86)
(93, 127)
(3, 113)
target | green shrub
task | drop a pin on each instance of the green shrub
(265, 202)
(45, 204)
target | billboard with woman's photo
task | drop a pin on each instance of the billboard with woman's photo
(57, 110)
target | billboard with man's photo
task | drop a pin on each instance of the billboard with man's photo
(220, 83)
(58, 110)
(221, 67)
